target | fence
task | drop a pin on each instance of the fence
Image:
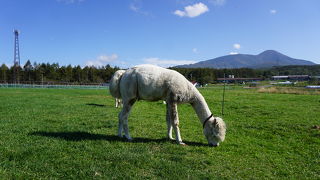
(55, 86)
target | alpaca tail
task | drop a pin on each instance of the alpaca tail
(114, 87)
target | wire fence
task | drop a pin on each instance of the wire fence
(55, 86)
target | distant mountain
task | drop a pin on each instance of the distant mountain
(265, 59)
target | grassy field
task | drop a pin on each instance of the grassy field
(70, 134)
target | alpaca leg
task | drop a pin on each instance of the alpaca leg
(116, 101)
(120, 125)
(123, 119)
(173, 111)
(119, 102)
(169, 125)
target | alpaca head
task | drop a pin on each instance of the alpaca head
(215, 130)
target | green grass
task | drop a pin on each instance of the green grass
(70, 134)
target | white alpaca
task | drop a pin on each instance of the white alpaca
(152, 83)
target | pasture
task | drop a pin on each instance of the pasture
(71, 134)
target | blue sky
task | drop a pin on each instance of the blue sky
(163, 32)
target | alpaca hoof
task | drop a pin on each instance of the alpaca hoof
(128, 139)
(213, 145)
(170, 139)
(182, 144)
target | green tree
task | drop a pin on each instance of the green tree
(27, 69)
(4, 72)
(76, 72)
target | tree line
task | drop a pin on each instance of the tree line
(54, 73)
(205, 75)
(209, 75)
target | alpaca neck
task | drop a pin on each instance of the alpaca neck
(201, 107)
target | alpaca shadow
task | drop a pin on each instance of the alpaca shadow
(80, 136)
(94, 104)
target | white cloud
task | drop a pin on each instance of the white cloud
(179, 13)
(8, 64)
(70, 1)
(192, 10)
(273, 11)
(236, 46)
(214, 2)
(136, 6)
(166, 62)
(195, 50)
(102, 60)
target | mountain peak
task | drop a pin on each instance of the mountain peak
(270, 52)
